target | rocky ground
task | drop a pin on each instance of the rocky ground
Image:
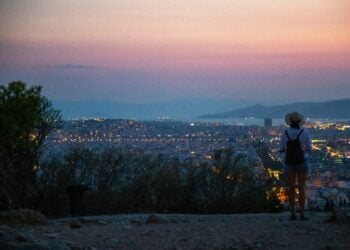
(179, 231)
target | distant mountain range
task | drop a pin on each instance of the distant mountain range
(335, 109)
(178, 110)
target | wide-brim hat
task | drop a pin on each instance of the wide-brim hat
(294, 117)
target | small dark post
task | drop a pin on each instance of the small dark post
(76, 194)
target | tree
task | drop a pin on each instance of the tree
(234, 185)
(26, 118)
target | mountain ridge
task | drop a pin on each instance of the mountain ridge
(175, 109)
(333, 109)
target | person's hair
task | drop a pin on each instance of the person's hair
(295, 125)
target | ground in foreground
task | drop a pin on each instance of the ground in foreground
(181, 231)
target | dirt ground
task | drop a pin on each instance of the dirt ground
(181, 231)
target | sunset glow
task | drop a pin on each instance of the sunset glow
(179, 37)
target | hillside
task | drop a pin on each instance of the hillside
(336, 109)
(180, 231)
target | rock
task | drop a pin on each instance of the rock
(102, 222)
(92, 221)
(156, 218)
(51, 235)
(4, 230)
(258, 245)
(75, 224)
(76, 248)
(86, 221)
(23, 240)
(23, 237)
(137, 222)
(58, 245)
(232, 248)
(79, 247)
(115, 240)
(89, 248)
(22, 216)
(339, 216)
(247, 243)
(235, 241)
(26, 246)
(182, 239)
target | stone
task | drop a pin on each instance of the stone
(339, 216)
(156, 218)
(22, 216)
(232, 248)
(115, 240)
(283, 244)
(75, 224)
(4, 230)
(51, 235)
(137, 222)
(246, 243)
(25, 246)
(102, 222)
(90, 248)
(25, 237)
(258, 245)
(182, 239)
(86, 220)
(76, 247)
(235, 240)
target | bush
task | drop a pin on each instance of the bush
(121, 181)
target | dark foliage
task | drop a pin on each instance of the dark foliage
(124, 181)
(117, 180)
(26, 118)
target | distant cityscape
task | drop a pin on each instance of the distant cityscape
(196, 141)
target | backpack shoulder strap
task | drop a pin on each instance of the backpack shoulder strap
(287, 135)
(300, 134)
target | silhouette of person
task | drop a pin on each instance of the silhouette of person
(296, 173)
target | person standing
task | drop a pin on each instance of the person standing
(296, 143)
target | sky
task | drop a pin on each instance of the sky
(159, 50)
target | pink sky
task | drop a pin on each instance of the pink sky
(179, 37)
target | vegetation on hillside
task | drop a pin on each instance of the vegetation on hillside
(117, 180)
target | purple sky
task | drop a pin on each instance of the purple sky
(144, 51)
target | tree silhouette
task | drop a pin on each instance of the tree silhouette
(26, 118)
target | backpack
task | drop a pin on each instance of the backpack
(294, 153)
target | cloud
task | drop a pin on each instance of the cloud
(72, 67)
